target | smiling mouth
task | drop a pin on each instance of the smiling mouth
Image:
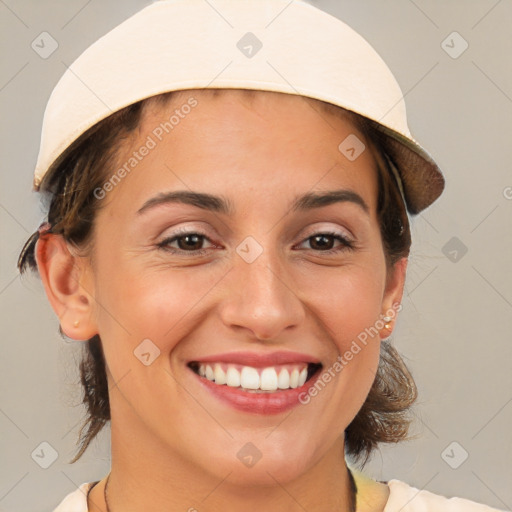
(269, 379)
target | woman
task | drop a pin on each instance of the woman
(228, 232)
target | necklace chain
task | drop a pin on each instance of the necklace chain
(353, 492)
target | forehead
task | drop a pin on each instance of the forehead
(256, 100)
(291, 123)
(261, 138)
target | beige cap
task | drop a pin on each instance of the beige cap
(274, 45)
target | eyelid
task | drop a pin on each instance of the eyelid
(173, 231)
(323, 228)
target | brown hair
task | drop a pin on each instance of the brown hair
(69, 186)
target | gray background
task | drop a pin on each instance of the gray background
(455, 328)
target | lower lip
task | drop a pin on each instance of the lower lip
(259, 403)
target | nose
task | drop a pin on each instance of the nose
(261, 299)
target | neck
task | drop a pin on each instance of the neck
(169, 482)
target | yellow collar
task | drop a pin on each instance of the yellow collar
(371, 495)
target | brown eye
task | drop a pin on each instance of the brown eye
(190, 242)
(187, 242)
(324, 242)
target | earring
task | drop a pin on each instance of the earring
(387, 319)
(76, 323)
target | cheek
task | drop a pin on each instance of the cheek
(348, 300)
(349, 305)
(137, 302)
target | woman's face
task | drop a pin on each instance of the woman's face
(241, 277)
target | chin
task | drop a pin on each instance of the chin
(263, 473)
(263, 461)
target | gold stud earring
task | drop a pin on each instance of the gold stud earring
(387, 319)
(76, 323)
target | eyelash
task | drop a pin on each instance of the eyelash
(164, 244)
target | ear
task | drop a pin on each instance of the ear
(63, 274)
(392, 299)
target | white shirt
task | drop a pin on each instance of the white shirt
(402, 498)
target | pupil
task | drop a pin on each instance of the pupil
(324, 238)
(196, 241)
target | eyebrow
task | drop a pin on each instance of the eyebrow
(220, 204)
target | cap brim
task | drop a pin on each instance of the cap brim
(423, 181)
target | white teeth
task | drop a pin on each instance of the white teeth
(233, 377)
(220, 376)
(209, 372)
(294, 378)
(249, 378)
(284, 379)
(268, 379)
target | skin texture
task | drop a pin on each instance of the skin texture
(174, 445)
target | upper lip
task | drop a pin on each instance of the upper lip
(258, 360)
